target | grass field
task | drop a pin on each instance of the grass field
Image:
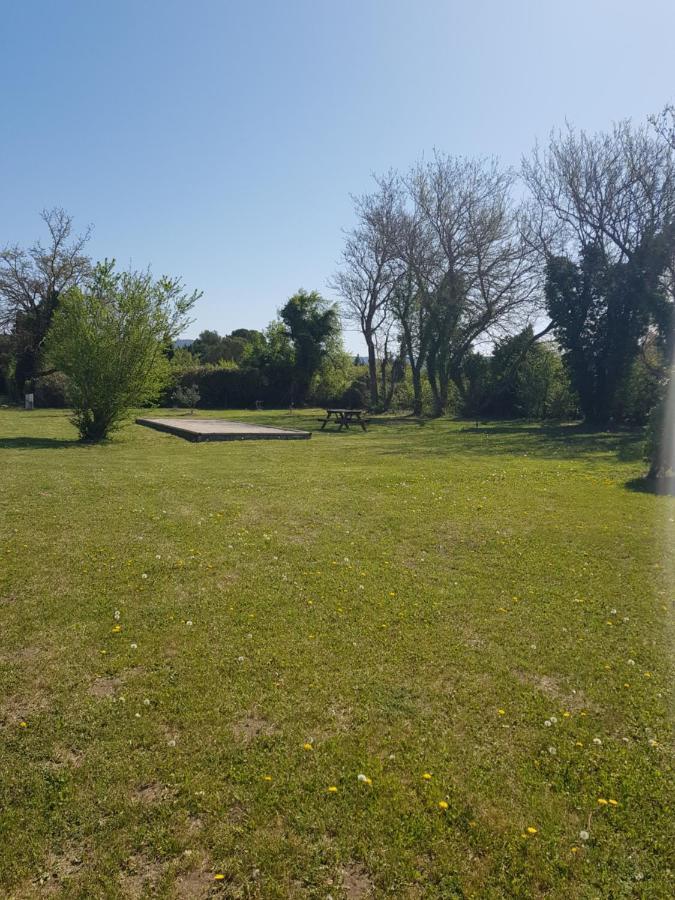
(203, 647)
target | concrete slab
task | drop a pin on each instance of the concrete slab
(223, 430)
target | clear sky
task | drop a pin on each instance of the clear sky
(221, 140)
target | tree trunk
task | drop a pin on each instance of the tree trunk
(417, 390)
(372, 370)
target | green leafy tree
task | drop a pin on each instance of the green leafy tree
(312, 326)
(601, 311)
(31, 282)
(110, 342)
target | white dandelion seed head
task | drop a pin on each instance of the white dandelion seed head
(144, 575)
(554, 720)
(189, 622)
(362, 777)
(552, 751)
(612, 612)
(547, 723)
(631, 662)
(146, 702)
(584, 835)
(116, 615)
(597, 741)
(134, 646)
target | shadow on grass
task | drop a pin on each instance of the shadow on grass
(662, 487)
(38, 443)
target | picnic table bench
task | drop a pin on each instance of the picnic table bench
(342, 418)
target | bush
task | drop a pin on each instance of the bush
(186, 396)
(51, 391)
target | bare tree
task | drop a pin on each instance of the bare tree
(462, 244)
(609, 191)
(31, 281)
(370, 269)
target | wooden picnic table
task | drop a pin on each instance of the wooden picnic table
(342, 418)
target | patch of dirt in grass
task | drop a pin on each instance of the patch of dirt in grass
(553, 688)
(6, 599)
(57, 870)
(236, 814)
(108, 685)
(252, 726)
(105, 686)
(19, 708)
(153, 792)
(193, 885)
(141, 876)
(21, 655)
(63, 757)
(356, 883)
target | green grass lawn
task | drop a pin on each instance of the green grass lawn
(203, 646)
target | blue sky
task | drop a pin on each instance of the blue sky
(221, 140)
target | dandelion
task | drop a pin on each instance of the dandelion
(116, 615)
(134, 646)
(23, 724)
(171, 743)
(584, 835)
(427, 776)
(554, 720)
(307, 746)
(116, 629)
(219, 876)
(189, 622)
(547, 723)
(364, 778)
(552, 751)
(631, 662)
(146, 702)
(602, 801)
(531, 830)
(613, 802)
(442, 804)
(267, 778)
(566, 715)
(502, 712)
(332, 789)
(144, 575)
(597, 742)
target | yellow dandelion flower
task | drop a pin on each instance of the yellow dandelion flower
(332, 789)
(23, 724)
(531, 830)
(502, 712)
(442, 804)
(427, 776)
(566, 715)
(307, 747)
(267, 777)
(602, 801)
(219, 877)
(116, 628)
(613, 802)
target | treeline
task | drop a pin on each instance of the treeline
(578, 246)
(546, 292)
